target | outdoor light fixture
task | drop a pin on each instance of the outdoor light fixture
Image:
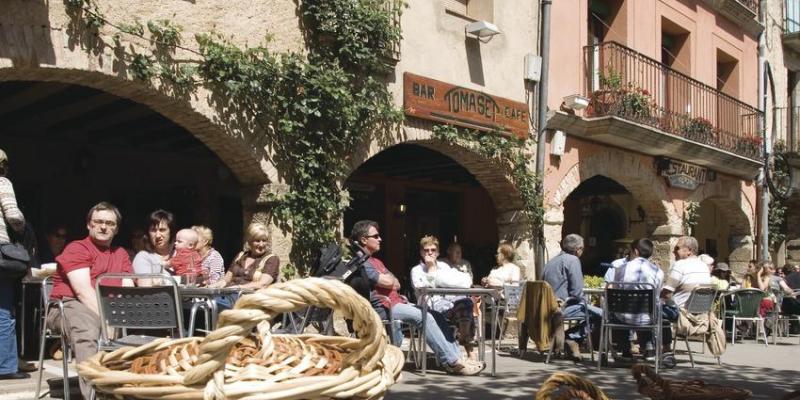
(576, 102)
(482, 30)
(401, 209)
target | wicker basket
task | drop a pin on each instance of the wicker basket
(232, 362)
(566, 386)
(657, 388)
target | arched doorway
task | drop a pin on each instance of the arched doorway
(602, 211)
(71, 146)
(411, 191)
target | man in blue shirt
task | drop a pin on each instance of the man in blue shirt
(564, 274)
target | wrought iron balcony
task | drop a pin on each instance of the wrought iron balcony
(787, 128)
(742, 12)
(791, 24)
(638, 103)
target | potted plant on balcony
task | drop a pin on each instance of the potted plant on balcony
(601, 101)
(636, 104)
(699, 130)
(749, 146)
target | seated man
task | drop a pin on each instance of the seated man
(636, 268)
(437, 274)
(384, 295)
(564, 274)
(79, 265)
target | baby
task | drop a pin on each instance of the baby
(185, 259)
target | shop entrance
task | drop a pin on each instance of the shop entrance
(412, 191)
(71, 146)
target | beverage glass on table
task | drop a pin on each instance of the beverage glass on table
(190, 280)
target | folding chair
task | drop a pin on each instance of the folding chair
(630, 298)
(701, 301)
(154, 307)
(511, 298)
(47, 288)
(746, 303)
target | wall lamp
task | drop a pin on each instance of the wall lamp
(482, 30)
(576, 102)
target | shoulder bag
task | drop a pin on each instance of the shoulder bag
(14, 260)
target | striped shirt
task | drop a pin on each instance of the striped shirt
(638, 270)
(9, 212)
(684, 276)
(214, 266)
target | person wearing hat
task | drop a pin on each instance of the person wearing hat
(721, 276)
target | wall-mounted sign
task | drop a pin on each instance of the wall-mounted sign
(439, 101)
(683, 175)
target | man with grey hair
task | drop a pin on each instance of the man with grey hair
(687, 273)
(565, 275)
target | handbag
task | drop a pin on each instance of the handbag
(14, 260)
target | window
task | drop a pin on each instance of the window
(727, 74)
(607, 21)
(474, 9)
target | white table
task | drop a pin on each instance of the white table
(492, 295)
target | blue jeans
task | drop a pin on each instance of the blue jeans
(8, 334)
(438, 334)
(226, 301)
(577, 311)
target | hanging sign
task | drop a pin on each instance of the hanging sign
(684, 175)
(439, 101)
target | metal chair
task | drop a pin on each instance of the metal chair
(154, 307)
(745, 306)
(572, 321)
(630, 298)
(701, 301)
(512, 295)
(47, 303)
(785, 320)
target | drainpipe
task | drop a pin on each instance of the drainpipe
(762, 94)
(544, 50)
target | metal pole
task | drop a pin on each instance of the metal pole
(544, 37)
(762, 93)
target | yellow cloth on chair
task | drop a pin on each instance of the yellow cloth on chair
(536, 310)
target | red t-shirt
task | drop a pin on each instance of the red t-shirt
(85, 254)
(186, 261)
(391, 294)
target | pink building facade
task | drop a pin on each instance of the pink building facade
(669, 142)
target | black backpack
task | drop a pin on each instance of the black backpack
(330, 263)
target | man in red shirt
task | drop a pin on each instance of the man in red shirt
(384, 297)
(79, 265)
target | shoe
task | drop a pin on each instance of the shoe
(24, 366)
(650, 355)
(573, 350)
(465, 368)
(16, 375)
(625, 357)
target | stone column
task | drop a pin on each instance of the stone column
(664, 238)
(553, 222)
(741, 253)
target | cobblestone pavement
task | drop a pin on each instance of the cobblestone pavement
(769, 372)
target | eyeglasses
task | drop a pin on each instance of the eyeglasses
(375, 236)
(430, 250)
(110, 224)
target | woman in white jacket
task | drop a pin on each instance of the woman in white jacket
(437, 274)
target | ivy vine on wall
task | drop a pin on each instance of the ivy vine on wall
(313, 108)
(691, 216)
(512, 155)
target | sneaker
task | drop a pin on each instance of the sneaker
(465, 368)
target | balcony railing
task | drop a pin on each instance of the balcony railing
(624, 83)
(787, 127)
(791, 20)
(751, 5)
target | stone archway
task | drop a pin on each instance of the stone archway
(662, 220)
(511, 223)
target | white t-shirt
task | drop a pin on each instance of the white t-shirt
(684, 276)
(506, 273)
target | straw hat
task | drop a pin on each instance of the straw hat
(722, 267)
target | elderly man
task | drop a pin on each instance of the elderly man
(564, 273)
(79, 265)
(687, 273)
(384, 294)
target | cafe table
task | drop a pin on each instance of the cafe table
(206, 297)
(489, 294)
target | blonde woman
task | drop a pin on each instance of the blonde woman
(506, 272)
(213, 265)
(253, 268)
